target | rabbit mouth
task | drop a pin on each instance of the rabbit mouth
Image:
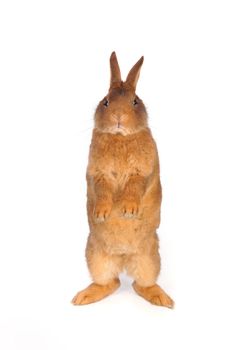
(118, 129)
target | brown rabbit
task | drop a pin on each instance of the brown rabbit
(123, 195)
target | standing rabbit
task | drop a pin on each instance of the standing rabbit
(123, 195)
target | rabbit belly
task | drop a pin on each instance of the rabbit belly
(120, 235)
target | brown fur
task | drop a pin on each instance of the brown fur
(123, 195)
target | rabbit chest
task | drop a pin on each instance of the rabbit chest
(122, 161)
(118, 157)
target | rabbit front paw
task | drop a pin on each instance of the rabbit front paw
(130, 208)
(102, 210)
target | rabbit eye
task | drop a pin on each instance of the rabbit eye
(106, 103)
(135, 102)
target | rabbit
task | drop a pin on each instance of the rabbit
(123, 195)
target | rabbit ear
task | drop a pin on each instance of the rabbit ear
(134, 73)
(115, 69)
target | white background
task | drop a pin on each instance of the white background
(54, 68)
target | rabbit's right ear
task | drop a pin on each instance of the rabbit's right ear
(115, 70)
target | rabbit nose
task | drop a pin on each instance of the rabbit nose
(118, 116)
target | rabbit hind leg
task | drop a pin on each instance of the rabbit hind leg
(104, 270)
(145, 270)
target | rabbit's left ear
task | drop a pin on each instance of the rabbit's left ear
(134, 73)
(115, 69)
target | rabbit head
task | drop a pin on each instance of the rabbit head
(121, 111)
